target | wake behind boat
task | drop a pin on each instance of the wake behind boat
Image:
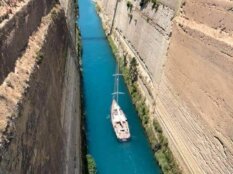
(118, 118)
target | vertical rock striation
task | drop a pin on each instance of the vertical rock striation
(40, 95)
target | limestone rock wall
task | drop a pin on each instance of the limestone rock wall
(147, 31)
(184, 51)
(15, 31)
(71, 95)
(40, 98)
(37, 140)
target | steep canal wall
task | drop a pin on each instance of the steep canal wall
(40, 90)
(184, 56)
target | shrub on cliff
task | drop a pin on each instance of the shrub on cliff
(133, 71)
(78, 43)
(112, 45)
(129, 6)
(163, 153)
(143, 3)
(53, 14)
(91, 165)
(155, 4)
(157, 127)
(39, 57)
(97, 8)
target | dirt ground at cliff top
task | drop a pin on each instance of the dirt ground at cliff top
(217, 14)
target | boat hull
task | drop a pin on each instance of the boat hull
(119, 123)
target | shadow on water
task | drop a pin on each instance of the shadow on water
(111, 156)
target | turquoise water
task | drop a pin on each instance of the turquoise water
(111, 156)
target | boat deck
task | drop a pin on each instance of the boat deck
(119, 122)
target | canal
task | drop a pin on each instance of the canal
(98, 64)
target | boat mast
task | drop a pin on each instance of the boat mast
(117, 83)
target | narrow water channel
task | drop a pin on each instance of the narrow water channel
(98, 63)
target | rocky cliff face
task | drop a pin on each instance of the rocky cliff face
(39, 92)
(185, 52)
(15, 32)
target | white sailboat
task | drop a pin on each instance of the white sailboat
(118, 118)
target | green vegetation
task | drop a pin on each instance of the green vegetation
(113, 46)
(129, 6)
(91, 165)
(78, 43)
(97, 7)
(53, 14)
(130, 75)
(154, 132)
(133, 72)
(143, 3)
(39, 57)
(163, 153)
(155, 3)
(76, 9)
